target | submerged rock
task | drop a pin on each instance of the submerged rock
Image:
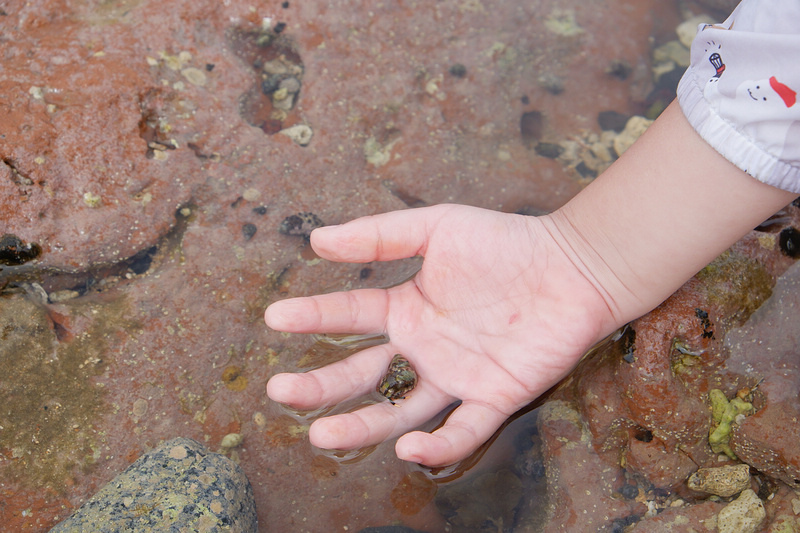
(764, 350)
(743, 515)
(723, 481)
(488, 498)
(179, 486)
(709, 375)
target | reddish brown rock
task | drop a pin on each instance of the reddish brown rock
(124, 135)
(74, 175)
(661, 466)
(682, 519)
(764, 353)
(644, 397)
(581, 486)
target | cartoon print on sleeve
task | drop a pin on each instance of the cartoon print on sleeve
(719, 66)
(787, 94)
(759, 108)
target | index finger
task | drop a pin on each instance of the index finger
(382, 237)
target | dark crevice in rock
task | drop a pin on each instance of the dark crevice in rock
(15, 276)
(15, 252)
(17, 176)
(141, 261)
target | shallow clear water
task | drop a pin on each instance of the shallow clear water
(410, 104)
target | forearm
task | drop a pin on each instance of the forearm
(663, 211)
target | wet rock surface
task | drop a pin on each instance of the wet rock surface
(179, 486)
(723, 481)
(489, 500)
(743, 515)
(768, 439)
(717, 358)
(570, 461)
(149, 155)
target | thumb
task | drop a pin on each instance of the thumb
(383, 237)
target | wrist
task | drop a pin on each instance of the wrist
(658, 215)
(586, 251)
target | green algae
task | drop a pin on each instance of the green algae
(683, 359)
(49, 401)
(738, 284)
(723, 414)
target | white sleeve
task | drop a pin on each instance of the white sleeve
(741, 91)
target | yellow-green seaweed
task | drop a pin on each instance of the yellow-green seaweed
(723, 414)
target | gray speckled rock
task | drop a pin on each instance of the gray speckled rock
(179, 486)
(745, 514)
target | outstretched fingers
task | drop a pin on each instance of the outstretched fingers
(383, 237)
(377, 422)
(359, 311)
(354, 376)
(469, 426)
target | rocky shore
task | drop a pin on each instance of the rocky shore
(161, 166)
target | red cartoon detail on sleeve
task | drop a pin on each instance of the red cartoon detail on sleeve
(788, 95)
(716, 61)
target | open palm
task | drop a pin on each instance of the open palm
(496, 316)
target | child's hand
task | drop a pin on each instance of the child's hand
(505, 305)
(495, 317)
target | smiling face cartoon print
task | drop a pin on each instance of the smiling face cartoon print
(770, 94)
(760, 107)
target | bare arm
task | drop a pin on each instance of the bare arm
(661, 213)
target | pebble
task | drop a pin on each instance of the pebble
(300, 134)
(231, 440)
(549, 150)
(248, 230)
(789, 241)
(195, 76)
(300, 224)
(251, 194)
(629, 492)
(178, 486)
(551, 83)
(92, 200)
(531, 126)
(743, 515)
(291, 84)
(723, 481)
(63, 295)
(139, 408)
(458, 70)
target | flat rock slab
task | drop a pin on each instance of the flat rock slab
(179, 486)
